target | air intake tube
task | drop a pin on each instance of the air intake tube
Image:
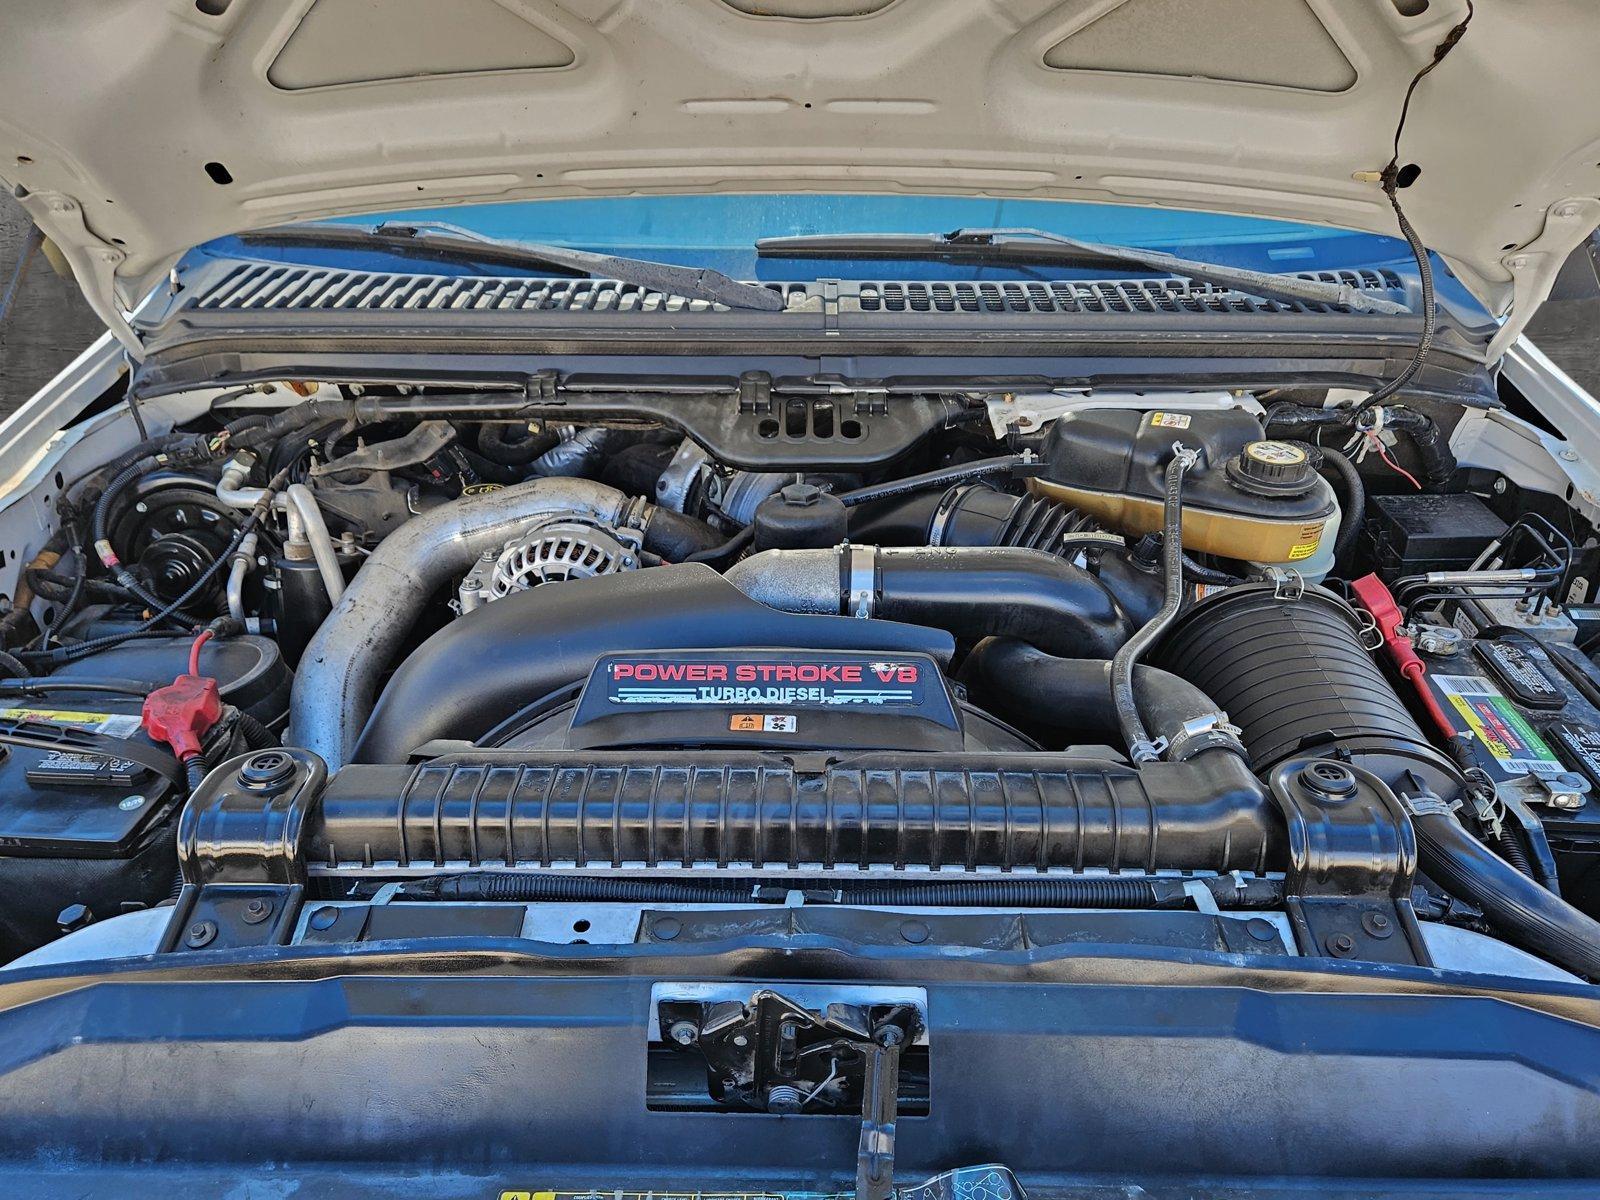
(1292, 672)
(971, 592)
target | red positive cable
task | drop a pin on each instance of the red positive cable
(1373, 596)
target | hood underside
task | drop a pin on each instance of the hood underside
(135, 129)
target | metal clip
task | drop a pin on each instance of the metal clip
(1287, 583)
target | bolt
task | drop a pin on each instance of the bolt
(129, 803)
(1377, 924)
(1261, 929)
(666, 929)
(1567, 210)
(1499, 487)
(324, 917)
(1341, 945)
(73, 916)
(914, 932)
(684, 1033)
(257, 911)
(201, 933)
(1569, 456)
(141, 507)
(1518, 262)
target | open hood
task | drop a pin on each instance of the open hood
(135, 129)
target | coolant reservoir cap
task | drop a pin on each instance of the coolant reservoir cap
(1274, 469)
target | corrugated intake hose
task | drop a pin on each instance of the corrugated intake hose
(1295, 675)
(1024, 683)
(972, 592)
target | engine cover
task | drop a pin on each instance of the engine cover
(778, 699)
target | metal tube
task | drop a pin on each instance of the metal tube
(1140, 747)
(338, 674)
(301, 500)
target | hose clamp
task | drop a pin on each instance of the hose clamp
(1211, 725)
(861, 570)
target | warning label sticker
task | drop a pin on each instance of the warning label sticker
(1504, 732)
(1166, 420)
(763, 723)
(122, 725)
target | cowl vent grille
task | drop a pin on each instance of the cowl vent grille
(1108, 296)
(310, 288)
(283, 287)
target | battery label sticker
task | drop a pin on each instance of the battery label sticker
(1504, 732)
(797, 683)
(121, 725)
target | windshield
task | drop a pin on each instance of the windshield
(720, 232)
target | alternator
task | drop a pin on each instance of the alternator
(550, 552)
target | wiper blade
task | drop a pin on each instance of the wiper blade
(1019, 247)
(447, 243)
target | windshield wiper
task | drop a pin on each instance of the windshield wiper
(448, 243)
(1022, 247)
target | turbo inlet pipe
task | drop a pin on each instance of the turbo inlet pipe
(1024, 683)
(338, 675)
(971, 592)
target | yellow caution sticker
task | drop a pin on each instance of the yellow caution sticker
(113, 724)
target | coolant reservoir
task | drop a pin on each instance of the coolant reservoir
(1248, 498)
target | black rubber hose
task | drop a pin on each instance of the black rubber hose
(194, 771)
(1062, 892)
(944, 476)
(1024, 683)
(1517, 908)
(256, 735)
(1134, 733)
(1001, 592)
(1509, 844)
(1026, 893)
(512, 445)
(676, 537)
(528, 888)
(1353, 504)
(715, 554)
(13, 667)
(1433, 449)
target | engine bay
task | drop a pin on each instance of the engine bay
(1247, 675)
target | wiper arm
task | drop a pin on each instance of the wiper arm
(1016, 247)
(451, 244)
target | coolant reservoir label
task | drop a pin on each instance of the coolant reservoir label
(1504, 731)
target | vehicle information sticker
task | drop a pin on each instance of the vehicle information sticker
(121, 725)
(1504, 731)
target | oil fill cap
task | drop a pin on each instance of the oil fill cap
(1274, 469)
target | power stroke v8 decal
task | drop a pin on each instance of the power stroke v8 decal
(791, 698)
(788, 681)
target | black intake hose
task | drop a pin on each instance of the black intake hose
(973, 592)
(1293, 673)
(675, 537)
(1023, 683)
(496, 660)
(1527, 913)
